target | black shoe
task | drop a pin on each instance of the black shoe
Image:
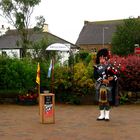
(100, 119)
(107, 120)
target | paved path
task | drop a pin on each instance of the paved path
(72, 123)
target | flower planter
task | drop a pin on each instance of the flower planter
(28, 99)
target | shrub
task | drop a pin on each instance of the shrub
(83, 78)
(19, 75)
(129, 68)
(71, 86)
(62, 83)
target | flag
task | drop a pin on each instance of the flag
(38, 74)
(50, 69)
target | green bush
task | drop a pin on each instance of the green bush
(70, 87)
(9, 93)
(17, 76)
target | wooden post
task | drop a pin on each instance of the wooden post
(47, 108)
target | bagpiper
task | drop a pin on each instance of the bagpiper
(106, 77)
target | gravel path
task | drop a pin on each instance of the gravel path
(71, 123)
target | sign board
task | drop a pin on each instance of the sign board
(58, 47)
(48, 106)
(137, 50)
(48, 100)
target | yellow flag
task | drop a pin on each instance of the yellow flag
(38, 74)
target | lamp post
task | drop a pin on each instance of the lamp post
(104, 28)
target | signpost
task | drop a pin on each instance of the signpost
(137, 50)
(58, 47)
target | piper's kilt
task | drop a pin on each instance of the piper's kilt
(103, 94)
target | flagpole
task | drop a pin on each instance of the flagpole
(39, 97)
(38, 89)
(52, 88)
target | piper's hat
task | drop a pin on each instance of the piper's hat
(102, 52)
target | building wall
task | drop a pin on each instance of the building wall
(90, 48)
(11, 53)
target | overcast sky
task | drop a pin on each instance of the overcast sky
(66, 17)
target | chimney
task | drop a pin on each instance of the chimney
(86, 22)
(8, 28)
(45, 28)
(2, 26)
(2, 30)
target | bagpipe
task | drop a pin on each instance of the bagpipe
(112, 71)
(106, 71)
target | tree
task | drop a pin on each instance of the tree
(40, 23)
(18, 14)
(39, 52)
(126, 36)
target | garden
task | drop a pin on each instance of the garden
(73, 83)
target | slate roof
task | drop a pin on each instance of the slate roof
(9, 40)
(92, 32)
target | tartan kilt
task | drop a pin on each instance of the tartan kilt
(103, 93)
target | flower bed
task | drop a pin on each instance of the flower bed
(28, 99)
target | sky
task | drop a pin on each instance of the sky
(65, 18)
